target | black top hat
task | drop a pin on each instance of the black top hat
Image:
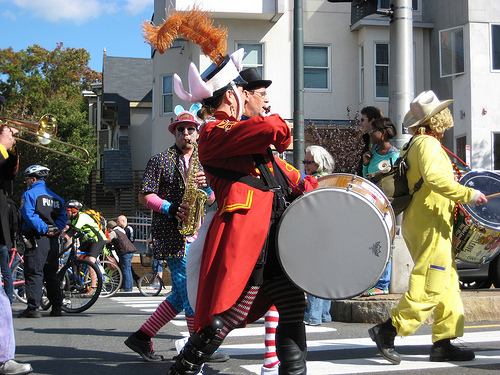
(252, 76)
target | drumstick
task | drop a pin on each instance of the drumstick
(493, 196)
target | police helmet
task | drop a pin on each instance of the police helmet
(73, 203)
(38, 171)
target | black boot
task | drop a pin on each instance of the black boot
(383, 335)
(200, 346)
(443, 350)
(291, 348)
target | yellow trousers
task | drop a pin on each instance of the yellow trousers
(434, 288)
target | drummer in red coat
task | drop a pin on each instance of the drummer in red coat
(240, 276)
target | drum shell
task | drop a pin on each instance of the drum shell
(476, 232)
(367, 189)
(333, 243)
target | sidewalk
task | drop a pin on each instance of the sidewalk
(479, 305)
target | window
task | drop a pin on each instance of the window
(381, 70)
(316, 68)
(361, 74)
(451, 51)
(253, 57)
(461, 143)
(496, 151)
(495, 46)
(167, 97)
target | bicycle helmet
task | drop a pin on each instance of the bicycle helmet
(73, 203)
(38, 171)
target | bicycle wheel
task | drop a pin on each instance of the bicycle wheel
(149, 285)
(18, 281)
(112, 278)
(78, 296)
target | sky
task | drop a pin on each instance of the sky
(95, 25)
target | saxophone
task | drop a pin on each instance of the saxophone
(193, 197)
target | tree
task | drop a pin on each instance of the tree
(342, 141)
(37, 81)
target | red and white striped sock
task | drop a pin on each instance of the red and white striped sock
(271, 320)
(190, 324)
(162, 315)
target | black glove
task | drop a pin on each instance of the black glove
(172, 210)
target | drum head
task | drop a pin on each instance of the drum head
(489, 183)
(333, 243)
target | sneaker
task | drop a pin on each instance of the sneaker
(218, 357)
(143, 348)
(270, 370)
(154, 286)
(29, 313)
(90, 292)
(443, 350)
(11, 367)
(56, 311)
(383, 335)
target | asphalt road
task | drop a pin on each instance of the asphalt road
(92, 343)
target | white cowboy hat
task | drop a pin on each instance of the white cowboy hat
(423, 107)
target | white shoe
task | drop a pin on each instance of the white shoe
(270, 370)
(154, 286)
(11, 367)
(179, 344)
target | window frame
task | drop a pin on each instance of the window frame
(492, 50)
(328, 68)
(163, 94)
(259, 65)
(453, 50)
(361, 73)
(375, 65)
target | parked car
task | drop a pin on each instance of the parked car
(475, 276)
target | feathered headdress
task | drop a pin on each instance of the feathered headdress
(196, 26)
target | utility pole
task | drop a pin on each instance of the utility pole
(401, 82)
(298, 85)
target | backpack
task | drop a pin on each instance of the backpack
(15, 220)
(98, 218)
(394, 183)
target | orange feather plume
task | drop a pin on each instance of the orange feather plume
(196, 26)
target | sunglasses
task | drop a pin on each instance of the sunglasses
(307, 162)
(74, 210)
(262, 94)
(181, 129)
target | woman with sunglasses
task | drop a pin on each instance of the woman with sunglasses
(368, 115)
(382, 156)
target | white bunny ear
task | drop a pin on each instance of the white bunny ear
(195, 108)
(237, 58)
(178, 109)
(179, 89)
(199, 89)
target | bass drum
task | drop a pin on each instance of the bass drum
(367, 189)
(476, 234)
(333, 243)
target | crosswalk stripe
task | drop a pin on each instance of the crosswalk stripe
(378, 364)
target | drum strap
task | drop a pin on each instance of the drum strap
(266, 183)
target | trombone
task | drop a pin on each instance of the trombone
(45, 131)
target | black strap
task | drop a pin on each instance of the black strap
(266, 183)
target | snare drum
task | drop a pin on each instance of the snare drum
(333, 243)
(367, 189)
(476, 233)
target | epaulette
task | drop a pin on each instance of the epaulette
(226, 124)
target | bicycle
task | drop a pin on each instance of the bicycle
(151, 284)
(112, 275)
(16, 264)
(74, 278)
